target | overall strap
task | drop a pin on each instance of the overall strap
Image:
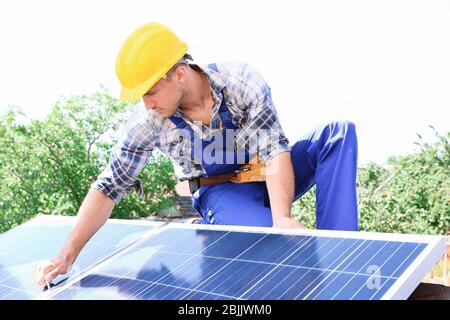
(182, 125)
(224, 112)
(213, 66)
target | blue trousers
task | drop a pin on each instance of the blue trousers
(327, 157)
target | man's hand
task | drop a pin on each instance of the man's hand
(94, 211)
(287, 223)
(49, 270)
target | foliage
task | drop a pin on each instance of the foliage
(410, 194)
(47, 166)
(304, 209)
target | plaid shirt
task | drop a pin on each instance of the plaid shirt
(249, 101)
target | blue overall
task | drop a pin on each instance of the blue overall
(326, 157)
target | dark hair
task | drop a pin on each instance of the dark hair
(185, 60)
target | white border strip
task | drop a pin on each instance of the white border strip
(55, 220)
(416, 271)
(429, 239)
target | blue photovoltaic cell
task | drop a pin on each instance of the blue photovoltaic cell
(185, 263)
(23, 247)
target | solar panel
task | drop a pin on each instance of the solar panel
(42, 238)
(199, 262)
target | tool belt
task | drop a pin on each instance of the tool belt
(249, 172)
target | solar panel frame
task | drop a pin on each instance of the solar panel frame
(401, 289)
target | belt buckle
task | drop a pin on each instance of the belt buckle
(194, 185)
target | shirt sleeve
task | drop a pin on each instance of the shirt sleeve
(262, 135)
(127, 160)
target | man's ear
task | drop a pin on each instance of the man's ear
(180, 73)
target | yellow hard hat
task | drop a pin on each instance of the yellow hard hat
(145, 57)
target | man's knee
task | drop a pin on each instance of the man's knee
(346, 126)
(343, 129)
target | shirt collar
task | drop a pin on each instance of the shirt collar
(215, 79)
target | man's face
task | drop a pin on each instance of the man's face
(164, 97)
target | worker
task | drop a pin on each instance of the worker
(219, 125)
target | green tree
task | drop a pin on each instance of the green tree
(410, 195)
(47, 166)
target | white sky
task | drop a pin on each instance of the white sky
(382, 64)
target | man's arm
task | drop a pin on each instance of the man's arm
(92, 215)
(262, 135)
(280, 185)
(126, 161)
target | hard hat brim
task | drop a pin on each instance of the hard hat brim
(133, 94)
